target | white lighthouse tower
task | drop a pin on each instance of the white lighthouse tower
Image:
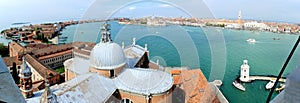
(245, 68)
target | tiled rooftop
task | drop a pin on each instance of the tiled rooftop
(39, 67)
(52, 49)
(16, 46)
(10, 60)
(195, 86)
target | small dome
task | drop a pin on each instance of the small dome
(107, 56)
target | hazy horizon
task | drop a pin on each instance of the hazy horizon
(36, 11)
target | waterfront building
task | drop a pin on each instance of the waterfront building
(274, 28)
(287, 29)
(256, 25)
(232, 26)
(245, 69)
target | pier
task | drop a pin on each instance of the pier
(246, 77)
(267, 78)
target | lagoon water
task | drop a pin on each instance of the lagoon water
(195, 47)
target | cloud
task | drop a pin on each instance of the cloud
(132, 8)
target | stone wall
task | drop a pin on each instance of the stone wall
(105, 72)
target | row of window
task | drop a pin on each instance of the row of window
(51, 60)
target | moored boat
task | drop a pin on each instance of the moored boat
(237, 83)
(276, 38)
(270, 84)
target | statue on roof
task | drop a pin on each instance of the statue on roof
(48, 96)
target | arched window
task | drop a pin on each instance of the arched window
(126, 100)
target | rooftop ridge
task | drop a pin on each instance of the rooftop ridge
(42, 69)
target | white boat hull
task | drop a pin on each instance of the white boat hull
(239, 86)
(270, 85)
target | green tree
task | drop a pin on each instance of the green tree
(3, 50)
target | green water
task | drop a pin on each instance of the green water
(190, 46)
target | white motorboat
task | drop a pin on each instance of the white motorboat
(251, 40)
(270, 84)
(238, 85)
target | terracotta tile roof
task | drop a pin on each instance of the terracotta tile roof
(10, 60)
(83, 48)
(38, 45)
(175, 72)
(52, 49)
(195, 86)
(84, 44)
(177, 80)
(39, 67)
(16, 46)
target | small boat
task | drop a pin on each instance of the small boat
(282, 86)
(276, 38)
(270, 84)
(251, 40)
(237, 83)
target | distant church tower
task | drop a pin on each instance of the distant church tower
(244, 76)
(25, 80)
(240, 17)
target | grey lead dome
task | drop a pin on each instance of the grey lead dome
(107, 56)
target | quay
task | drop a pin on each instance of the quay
(267, 78)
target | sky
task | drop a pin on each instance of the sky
(37, 11)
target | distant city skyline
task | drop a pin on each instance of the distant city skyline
(37, 11)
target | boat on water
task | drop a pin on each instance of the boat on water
(282, 86)
(251, 40)
(270, 84)
(276, 38)
(237, 83)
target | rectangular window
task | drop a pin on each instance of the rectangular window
(112, 73)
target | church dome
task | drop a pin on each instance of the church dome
(107, 55)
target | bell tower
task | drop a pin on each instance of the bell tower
(240, 17)
(25, 80)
